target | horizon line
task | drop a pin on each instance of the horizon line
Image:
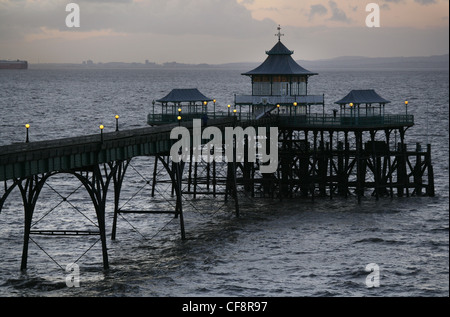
(150, 63)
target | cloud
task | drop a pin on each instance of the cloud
(124, 30)
(207, 17)
(346, 41)
(201, 17)
(425, 2)
(247, 1)
(214, 31)
(317, 9)
(338, 14)
(422, 2)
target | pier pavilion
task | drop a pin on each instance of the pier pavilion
(279, 84)
(180, 104)
(362, 102)
(329, 152)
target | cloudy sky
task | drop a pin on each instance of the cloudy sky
(218, 31)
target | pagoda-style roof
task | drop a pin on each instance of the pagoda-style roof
(279, 62)
(184, 95)
(368, 96)
(279, 49)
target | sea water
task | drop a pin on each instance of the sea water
(293, 247)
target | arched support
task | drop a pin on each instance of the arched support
(97, 187)
(30, 192)
(174, 170)
(118, 177)
(176, 176)
(8, 190)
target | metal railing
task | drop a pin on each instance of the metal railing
(160, 119)
(320, 120)
(286, 120)
(282, 100)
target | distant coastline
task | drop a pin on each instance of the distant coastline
(437, 62)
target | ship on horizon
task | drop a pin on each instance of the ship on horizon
(17, 64)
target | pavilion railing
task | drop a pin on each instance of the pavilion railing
(320, 120)
(310, 120)
(159, 119)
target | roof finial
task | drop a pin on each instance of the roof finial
(279, 33)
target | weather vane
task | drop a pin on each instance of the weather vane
(279, 33)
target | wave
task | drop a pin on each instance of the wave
(378, 240)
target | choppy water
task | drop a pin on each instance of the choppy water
(287, 248)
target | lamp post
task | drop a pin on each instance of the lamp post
(101, 132)
(27, 126)
(179, 120)
(229, 106)
(214, 101)
(406, 107)
(117, 122)
(206, 104)
(295, 107)
(278, 106)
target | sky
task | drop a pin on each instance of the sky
(218, 31)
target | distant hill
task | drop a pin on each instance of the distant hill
(356, 62)
(360, 62)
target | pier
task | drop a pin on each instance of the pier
(353, 152)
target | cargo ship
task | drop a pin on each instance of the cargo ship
(13, 64)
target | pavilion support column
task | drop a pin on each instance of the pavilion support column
(401, 166)
(331, 164)
(359, 166)
(387, 168)
(322, 166)
(375, 164)
(430, 186)
(341, 173)
(418, 171)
